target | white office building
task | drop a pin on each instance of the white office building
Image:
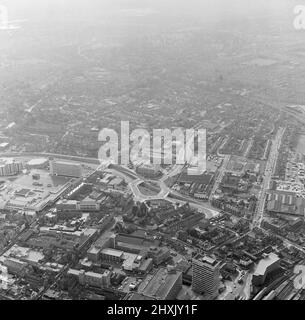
(206, 276)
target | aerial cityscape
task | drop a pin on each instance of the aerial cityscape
(74, 227)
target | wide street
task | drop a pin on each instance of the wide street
(220, 175)
(269, 170)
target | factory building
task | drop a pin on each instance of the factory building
(65, 169)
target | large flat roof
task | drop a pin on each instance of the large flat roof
(292, 206)
(112, 252)
(265, 263)
(37, 161)
(205, 178)
(207, 260)
(161, 283)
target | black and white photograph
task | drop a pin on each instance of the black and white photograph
(152, 153)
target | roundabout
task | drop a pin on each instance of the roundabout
(145, 190)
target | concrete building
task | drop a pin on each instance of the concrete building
(91, 278)
(95, 279)
(112, 256)
(270, 263)
(134, 243)
(73, 205)
(89, 205)
(66, 205)
(15, 266)
(10, 167)
(159, 255)
(129, 261)
(163, 285)
(65, 169)
(206, 275)
(39, 163)
(94, 254)
(23, 254)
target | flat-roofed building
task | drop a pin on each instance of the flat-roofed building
(10, 167)
(159, 255)
(206, 275)
(112, 255)
(134, 243)
(96, 279)
(203, 179)
(65, 169)
(270, 263)
(163, 285)
(146, 266)
(89, 205)
(131, 262)
(66, 205)
(94, 253)
(285, 203)
(24, 254)
(39, 163)
(15, 266)
(73, 205)
(23, 192)
(91, 278)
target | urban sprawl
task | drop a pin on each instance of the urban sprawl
(73, 228)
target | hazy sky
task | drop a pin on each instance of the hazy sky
(93, 9)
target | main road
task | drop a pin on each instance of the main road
(269, 171)
(220, 175)
(53, 155)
